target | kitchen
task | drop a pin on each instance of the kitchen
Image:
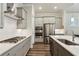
(51, 26)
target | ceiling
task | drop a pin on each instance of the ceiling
(74, 8)
(49, 7)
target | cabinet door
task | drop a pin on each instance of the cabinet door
(23, 47)
(20, 49)
(55, 48)
(51, 46)
(28, 44)
(60, 51)
(39, 21)
(12, 52)
(64, 52)
(7, 54)
(18, 53)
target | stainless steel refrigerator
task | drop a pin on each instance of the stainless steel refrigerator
(48, 29)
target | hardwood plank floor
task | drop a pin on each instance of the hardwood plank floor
(39, 49)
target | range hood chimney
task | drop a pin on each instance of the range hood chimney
(9, 7)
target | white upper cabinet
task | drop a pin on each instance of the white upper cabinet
(49, 19)
(39, 21)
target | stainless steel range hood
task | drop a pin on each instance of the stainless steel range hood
(17, 11)
(9, 7)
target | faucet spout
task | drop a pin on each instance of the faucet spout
(73, 36)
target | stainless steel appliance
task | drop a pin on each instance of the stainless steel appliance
(48, 29)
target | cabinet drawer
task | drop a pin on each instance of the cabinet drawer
(10, 53)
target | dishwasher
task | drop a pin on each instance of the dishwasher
(48, 29)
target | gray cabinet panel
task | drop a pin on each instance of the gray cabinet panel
(57, 50)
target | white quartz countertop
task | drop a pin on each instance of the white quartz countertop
(59, 31)
(73, 49)
(4, 47)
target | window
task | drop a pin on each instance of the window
(74, 21)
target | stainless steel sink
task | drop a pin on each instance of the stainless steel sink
(13, 40)
(67, 42)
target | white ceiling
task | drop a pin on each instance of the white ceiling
(49, 7)
(74, 8)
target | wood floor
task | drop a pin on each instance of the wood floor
(39, 49)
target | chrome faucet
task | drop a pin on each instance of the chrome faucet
(73, 35)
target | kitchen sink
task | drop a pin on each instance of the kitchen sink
(67, 42)
(13, 40)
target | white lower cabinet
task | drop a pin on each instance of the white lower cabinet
(11, 52)
(21, 49)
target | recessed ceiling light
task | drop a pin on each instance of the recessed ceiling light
(40, 8)
(55, 7)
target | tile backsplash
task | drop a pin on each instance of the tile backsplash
(10, 29)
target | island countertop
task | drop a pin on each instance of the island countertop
(73, 49)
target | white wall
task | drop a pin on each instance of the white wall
(9, 28)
